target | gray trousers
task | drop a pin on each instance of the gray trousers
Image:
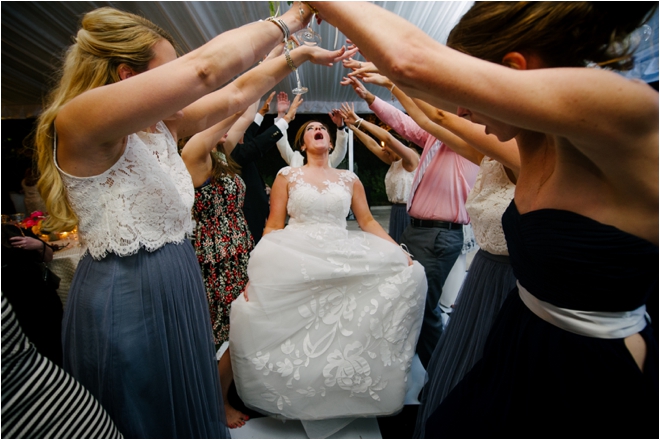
(437, 250)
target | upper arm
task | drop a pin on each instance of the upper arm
(594, 109)
(285, 149)
(400, 122)
(359, 204)
(279, 197)
(339, 152)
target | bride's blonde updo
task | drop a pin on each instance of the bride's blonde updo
(107, 38)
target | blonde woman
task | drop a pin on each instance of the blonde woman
(136, 329)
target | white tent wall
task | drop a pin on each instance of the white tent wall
(36, 34)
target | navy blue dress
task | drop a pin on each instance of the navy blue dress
(536, 380)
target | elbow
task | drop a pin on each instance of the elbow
(401, 66)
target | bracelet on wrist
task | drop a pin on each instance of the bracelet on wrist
(289, 61)
(404, 248)
(358, 122)
(283, 27)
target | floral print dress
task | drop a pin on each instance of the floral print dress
(223, 243)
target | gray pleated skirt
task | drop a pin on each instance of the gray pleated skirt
(489, 281)
(399, 221)
(137, 334)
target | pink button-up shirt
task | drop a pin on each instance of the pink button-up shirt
(448, 179)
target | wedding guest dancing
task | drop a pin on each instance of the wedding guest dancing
(136, 329)
(571, 343)
(246, 151)
(222, 239)
(436, 206)
(490, 278)
(402, 160)
(245, 145)
(328, 324)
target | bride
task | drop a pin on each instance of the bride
(329, 322)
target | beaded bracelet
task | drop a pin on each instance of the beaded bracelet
(358, 122)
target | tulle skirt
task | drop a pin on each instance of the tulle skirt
(330, 327)
(399, 221)
(487, 284)
(137, 334)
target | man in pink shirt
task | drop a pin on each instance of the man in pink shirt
(437, 212)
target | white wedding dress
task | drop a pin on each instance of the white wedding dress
(333, 315)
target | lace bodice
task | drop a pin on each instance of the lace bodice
(310, 204)
(143, 200)
(491, 195)
(398, 182)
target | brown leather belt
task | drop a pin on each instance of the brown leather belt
(434, 224)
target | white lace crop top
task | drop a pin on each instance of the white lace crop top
(398, 183)
(490, 196)
(143, 201)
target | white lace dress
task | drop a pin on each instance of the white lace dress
(333, 315)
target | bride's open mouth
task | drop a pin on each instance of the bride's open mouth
(318, 136)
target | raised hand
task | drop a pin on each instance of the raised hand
(336, 117)
(358, 88)
(282, 104)
(377, 79)
(318, 55)
(266, 107)
(291, 114)
(348, 113)
(359, 67)
(351, 45)
(363, 69)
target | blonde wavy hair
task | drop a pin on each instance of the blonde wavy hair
(106, 39)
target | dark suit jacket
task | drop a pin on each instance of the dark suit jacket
(254, 147)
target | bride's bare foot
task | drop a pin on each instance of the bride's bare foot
(235, 418)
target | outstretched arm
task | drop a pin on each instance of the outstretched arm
(196, 154)
(341, 140)
(506, 153)
(252, 85)
(409, 157)
(134, 103)
(237, 131)
(283, 146)
(370, 143)
(615, 129)
(453, 141)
